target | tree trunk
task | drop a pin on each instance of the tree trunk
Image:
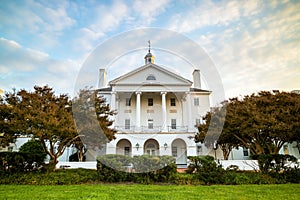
(80, 156)
(52, 163)
(226, 154)
(226, 149)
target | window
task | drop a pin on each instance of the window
(128, 101)
(127, 123)
(150, 102)
(172, 102)
(126, 151)
(245, 151)
(150, 77)
(174, 151)
(150, 123)
(196, 101)
(173, 123)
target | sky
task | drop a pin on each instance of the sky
(254, 45)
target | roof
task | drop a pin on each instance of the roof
(107, 89)
(112, 82)
(198, 90)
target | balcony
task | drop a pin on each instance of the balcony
(177, 128)
(152, 129)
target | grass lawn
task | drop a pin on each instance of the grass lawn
(135, 191)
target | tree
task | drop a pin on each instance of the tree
(8, 125)
(214, 121)
(5, 135)
(267, 121)
(263, 122)
(36, 149)
(44, 116)
(92, 116)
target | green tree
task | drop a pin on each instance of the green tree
(44, 116)
(218, 133)
(8, 124)
(34, 148)
(263, 122)
(93, 121)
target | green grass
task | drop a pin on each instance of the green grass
(140, 192)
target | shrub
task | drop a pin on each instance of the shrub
(147, 163)
(274, 162)
(292, 175)
(141, 169)
(34, 147)
(58, 177)
(11, 162)
(206, 169)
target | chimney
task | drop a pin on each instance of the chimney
(102, 78)
(197, 80)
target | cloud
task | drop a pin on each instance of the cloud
(23, 68)
(109, 17)
(254, 44)
(35, 21)
(100, 19)
(254, 54)
(212, 14)
(147, 11)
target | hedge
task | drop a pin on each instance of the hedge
(11, 162)
(140, 169)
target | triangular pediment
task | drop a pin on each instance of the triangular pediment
(152, 74)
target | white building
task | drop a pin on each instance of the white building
(157, 111)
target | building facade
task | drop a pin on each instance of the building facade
(157, 111)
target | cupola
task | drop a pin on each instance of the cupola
(149, 58)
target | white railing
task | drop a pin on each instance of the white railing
(132, 129)
(177, 128)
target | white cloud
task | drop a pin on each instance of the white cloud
(147, 11)
(211, 14)
(86, 39)
(102, 19)
(109, 18)
(254, 54)
(36, 21)
(23, 68)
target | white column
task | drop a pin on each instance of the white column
(164, 111)
(189, 111)
(138, 111)
(113, 106)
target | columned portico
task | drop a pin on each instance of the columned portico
(164, 111)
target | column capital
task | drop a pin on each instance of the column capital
(163, 93)
(138, 92)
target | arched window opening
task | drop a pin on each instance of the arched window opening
(150, 78)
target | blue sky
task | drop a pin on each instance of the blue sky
(255, 45)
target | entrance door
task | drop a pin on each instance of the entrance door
(151, 147)
(179, 151)
(123, 147)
